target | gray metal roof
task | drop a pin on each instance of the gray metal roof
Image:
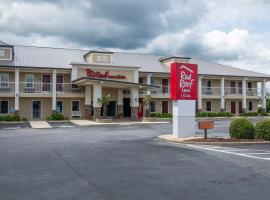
(46, 57)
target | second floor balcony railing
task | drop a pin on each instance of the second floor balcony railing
(7, 87)
(30, 87)
(161, 90)
(211, 90)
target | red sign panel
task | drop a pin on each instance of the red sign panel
(93, 74)
(184, 78)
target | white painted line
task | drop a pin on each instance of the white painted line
(227, 152)
(258, 153)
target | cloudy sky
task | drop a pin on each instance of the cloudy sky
(232, 32)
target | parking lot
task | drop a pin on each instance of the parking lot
(126, 162)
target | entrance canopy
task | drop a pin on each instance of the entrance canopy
(83, 81)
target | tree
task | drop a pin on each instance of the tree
(146, 103)
(104, 101)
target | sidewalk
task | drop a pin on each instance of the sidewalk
(114, 122)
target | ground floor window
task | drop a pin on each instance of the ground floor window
(208, 106)
(75, 106)
(59, 106)
(152, 106)
(3, 107)
(250, 106)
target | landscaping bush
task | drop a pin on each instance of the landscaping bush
(56, 116)
(242, 128)
(212, 114)
(160, 115)
(264, 114)
(10, 118)
(262, 129)
(250, 114)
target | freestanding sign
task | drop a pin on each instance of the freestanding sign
(184, 95)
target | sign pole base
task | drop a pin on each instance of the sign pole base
(184, 122)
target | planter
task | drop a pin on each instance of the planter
(104, 120)
(155, 119)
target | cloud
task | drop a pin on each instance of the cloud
(231, 32)
(104, 23)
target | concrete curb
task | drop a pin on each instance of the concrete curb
(170, 138)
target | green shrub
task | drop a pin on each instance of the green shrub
(242, 128)
(212, 114)
(56, 116)
(249, 114)
(224, 114)
(10, 118)
(264, 113)
(160, 115)
(262, 130)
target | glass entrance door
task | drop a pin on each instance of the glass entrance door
(36, 110)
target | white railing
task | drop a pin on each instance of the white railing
(69, 88)
(233, 91)
(7, 87)
(211, 90)
(160, 90)
(47, 88)
(35, 87)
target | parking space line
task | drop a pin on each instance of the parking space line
(228, 152)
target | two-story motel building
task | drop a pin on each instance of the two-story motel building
(35, 81)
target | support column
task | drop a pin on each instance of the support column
(88, 98)
(54, 91)
(148, 81)
(200, 94)
(222, 94)
(17, 91)
(244, 94)
(97, 93)
(120, 108)
(134, 102)
(264, 95)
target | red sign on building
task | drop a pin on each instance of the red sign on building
(184, 78)
(93, 74)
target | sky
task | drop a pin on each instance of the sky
(231, 32)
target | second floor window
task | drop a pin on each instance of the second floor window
(4, 79)
(29, 80)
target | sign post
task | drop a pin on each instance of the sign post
(184, 95)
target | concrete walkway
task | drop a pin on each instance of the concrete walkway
(124, 122)
(40, 124)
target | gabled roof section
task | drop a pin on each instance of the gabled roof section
(3, 44)
(99, 50)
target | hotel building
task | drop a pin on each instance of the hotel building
(36, 81)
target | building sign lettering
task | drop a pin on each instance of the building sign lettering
(107, 74)
(184, 81)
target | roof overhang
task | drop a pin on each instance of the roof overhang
(111, 83)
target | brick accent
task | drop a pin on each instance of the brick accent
(134, 113)
(120, 111)
(97, 113)
(87, 111)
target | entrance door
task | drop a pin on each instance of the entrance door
(140, 110)
(165, 106)
(240, 107)
(46, 80)
(126, 107)
(111, 109)
(164, 83)
(36, 110)
(233, 107)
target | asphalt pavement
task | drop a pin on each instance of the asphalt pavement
(123, 162)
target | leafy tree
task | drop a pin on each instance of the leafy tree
(104, 101)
